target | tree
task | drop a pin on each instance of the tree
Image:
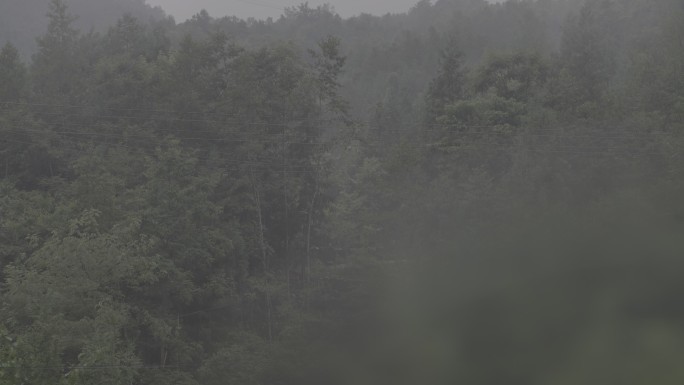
(55, 64)
(449, 84)
(128, 36)
(517, 76)
(12, 74)
(655, 85)
(70, 287)
(328, 64)
(587, 60)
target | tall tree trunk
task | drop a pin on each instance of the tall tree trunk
(264, 256)
(308, 233)
(262, 241)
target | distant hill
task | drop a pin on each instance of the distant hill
(21, 21)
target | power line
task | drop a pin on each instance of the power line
(91, 107)
(237, 165)
(463, 130)
(465, 145)
(471, 137)
(363, 123)
(181, 138)
(452, 144)
(89, 367)
(471, 130)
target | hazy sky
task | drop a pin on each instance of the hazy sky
(183, 9)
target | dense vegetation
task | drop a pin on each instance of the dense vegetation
(22, 21)
(464, 194)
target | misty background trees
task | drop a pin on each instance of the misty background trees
(465, 193)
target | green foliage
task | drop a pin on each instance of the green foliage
(449, 84)
(517, 76)
(56, 56)
(246, 361)
(587, 60)
(12, 74)
(207, 204)
(328, 64)
(656, 82)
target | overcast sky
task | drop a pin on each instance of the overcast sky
(183, 9)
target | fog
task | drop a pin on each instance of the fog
(464, 193)
(262, 9)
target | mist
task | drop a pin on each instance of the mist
(263, 9)
(445, 192)
(182, 10)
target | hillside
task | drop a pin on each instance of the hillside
(468, 193)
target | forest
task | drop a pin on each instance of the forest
(465, 193)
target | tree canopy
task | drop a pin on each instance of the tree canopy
(465, 193)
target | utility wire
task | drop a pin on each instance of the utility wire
(467, 138)
(470, 130)
(464, 145)
(90, 367)
(249, 137)
(456, 144)
(368, 123)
